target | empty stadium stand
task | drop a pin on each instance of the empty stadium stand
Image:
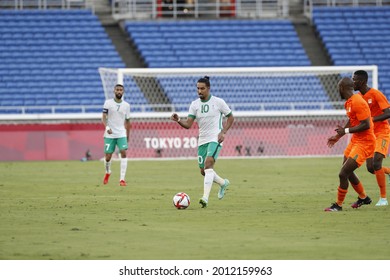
(217, 43)
(49, 61)
(357, 36)
(227, 43)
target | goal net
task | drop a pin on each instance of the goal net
(283, 111)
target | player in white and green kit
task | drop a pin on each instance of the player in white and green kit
(208, 110)
(116, 120)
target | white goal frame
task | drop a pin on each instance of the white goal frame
(120, 73)
(209, 71)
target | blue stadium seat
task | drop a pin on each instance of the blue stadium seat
(51, 57)
(361, 38)
(160, 43)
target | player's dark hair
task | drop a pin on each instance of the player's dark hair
(362, 75)
(119, 85)
(205, 80)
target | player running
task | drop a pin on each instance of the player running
(360, 147)
(208, 111)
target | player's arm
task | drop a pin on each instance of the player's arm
(362, 126)
(228, 124)
(183, 123)
(382, 117)
(335, 138)
(127, 126)
(104, 121)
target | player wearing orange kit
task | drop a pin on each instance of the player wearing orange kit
(361, 146)
(380, 112)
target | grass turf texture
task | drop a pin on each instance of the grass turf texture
(273, 209)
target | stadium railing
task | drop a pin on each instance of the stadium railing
(152, 9)
(47, 4)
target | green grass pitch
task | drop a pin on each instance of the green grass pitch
(273, 210)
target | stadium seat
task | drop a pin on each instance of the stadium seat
(238, 43)
(51, 58)
(362, 37)
(162, 42)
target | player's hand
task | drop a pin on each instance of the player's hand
(333, 140)
(340, 130)
(175, 117)
(108, 129)
(221, 137)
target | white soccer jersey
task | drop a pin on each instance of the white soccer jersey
(209, 115)
(117, 113)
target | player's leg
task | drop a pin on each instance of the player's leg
(381, 149)
(386, 170)
(109, 148)
(346, 174)
(370, 165)
(122, 145)
(381, 179)
(360, 152)
(220, 181)
(346, 170)
(382, 143)
(213, 152)
(357, 185)
(208, 180)
(354, 151)
(207, 155)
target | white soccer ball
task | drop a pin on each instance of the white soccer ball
(181, 200)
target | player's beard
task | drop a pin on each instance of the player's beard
(118, 96)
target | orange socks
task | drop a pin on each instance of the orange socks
(341, 196)
(360, 190)
(386, 170)
(381, 179)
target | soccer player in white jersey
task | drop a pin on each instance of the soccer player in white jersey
(208, 110)
(116, 120)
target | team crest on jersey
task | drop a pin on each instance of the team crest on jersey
(369, 101)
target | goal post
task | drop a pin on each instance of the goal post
(262, 88)
(279, 112)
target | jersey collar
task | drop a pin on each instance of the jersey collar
(207, 98)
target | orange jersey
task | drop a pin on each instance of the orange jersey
(377, 102)
(357, 111)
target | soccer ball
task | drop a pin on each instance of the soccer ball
(181, 200)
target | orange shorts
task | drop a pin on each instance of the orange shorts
(359, 151)
(382, 143)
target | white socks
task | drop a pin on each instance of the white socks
(209, 177)
(208, 182)
(107, 165)
(218, 179)
(123, 168)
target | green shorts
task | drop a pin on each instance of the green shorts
(211, 149)
(110, 143)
